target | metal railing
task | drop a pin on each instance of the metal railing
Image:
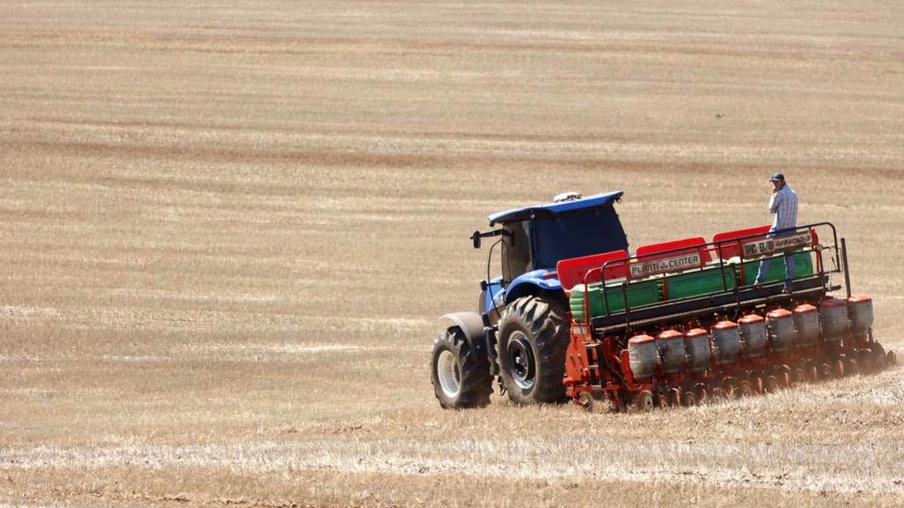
(735, 270)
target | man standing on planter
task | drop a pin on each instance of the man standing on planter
(783, 204)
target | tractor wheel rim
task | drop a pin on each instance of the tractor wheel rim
(449, 374)
(521, 361)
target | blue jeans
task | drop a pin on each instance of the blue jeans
(789, 263)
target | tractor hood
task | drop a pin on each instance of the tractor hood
(549, 210)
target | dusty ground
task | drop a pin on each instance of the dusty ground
(226, 232)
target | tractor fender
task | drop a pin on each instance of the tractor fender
(472, 325)
(532, 283)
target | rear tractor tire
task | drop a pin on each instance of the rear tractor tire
(532, 343)
(460, 380)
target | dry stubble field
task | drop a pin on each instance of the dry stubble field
(226, 231)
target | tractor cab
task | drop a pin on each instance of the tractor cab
(535, 238)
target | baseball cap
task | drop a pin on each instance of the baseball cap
(777, 177)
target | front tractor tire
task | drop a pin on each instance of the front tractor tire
(461, 380)
(532, 343)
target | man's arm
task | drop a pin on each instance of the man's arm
(774, 202)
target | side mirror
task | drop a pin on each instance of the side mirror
(476, 239)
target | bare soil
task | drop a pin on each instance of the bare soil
(227, 230)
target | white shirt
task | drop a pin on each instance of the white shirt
(784, 205)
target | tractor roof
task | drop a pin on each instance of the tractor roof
(547, 210)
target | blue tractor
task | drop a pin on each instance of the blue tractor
(575, 316)
(519, 333)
